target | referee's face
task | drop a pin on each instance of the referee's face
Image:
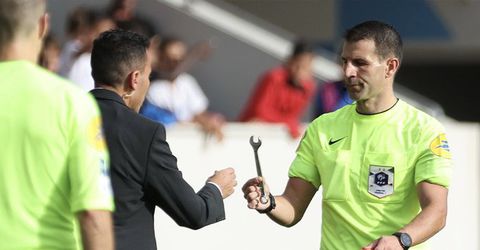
(363, 70)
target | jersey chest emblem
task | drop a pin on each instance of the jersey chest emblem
(380, 181)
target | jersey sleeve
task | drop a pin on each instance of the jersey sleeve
(88, 163)
(434, 164)
(304, 166)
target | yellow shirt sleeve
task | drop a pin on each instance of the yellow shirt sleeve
(303, 166)
(88, 163)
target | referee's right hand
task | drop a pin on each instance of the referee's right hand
(252, 193)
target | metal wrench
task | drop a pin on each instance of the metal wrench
(255, 146)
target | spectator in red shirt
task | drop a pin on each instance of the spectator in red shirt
(284, 92)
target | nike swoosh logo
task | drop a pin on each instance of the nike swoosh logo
(330, 142)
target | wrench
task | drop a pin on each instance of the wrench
(255, 146)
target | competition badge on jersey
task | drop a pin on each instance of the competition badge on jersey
(97, 140)
(380, 181)
(439, 146)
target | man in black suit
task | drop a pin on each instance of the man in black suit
(144, 172)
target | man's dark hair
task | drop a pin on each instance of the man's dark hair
(301, 47)
(115, 54)
(387, 39)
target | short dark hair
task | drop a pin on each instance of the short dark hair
(115, 54)
(18, 18)
(300, 47)
(387, 39)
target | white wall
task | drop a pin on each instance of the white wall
(463, 219)
(243, 229)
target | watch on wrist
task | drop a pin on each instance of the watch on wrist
(404, 239)
(271, 207)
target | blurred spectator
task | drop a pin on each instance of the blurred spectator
(79, 22)
(330, 96)
(138, 25)
(176, 96)
(49, 57)
(123, 14)
(283, 93)
(80, 72)
(122, 10)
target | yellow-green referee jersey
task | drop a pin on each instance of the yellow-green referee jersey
(368, 166)
(53, 159)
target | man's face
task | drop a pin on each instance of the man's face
(300, 67)
(172, 56)
(364, 71)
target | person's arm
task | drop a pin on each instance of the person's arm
(96, 229)
(211, 123)
(166, 187)
(90, 193)
(432, 218)
(290, 206)
(197, 106)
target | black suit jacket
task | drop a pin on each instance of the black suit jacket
(144, 174)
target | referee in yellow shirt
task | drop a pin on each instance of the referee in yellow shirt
(384, 165)
(53, 164)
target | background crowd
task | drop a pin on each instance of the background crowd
(282, 95)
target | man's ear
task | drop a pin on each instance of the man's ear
(43, 25)
(392, 67)
(133, 80)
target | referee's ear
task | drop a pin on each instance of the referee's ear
(392, 67)
(43, 25)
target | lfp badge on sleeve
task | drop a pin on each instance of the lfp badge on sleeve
(380, 181)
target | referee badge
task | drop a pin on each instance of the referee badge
(380, 181)
(439, 146)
